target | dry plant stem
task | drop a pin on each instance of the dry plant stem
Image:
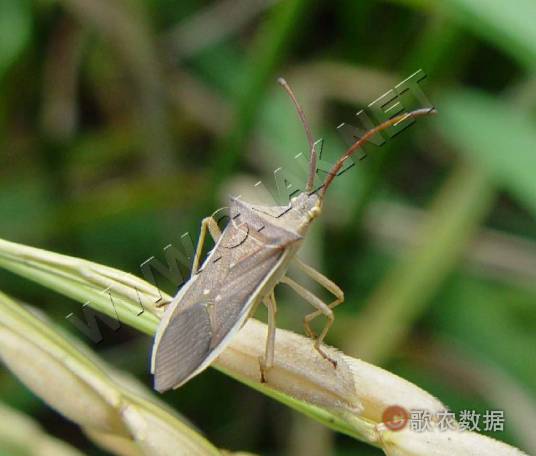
(267, 50)
(60, 81)
(124, 29)
(212, 24)
(112, 292)
(101, 400)
(333, 80)
(349, 399)
(199, 102)
(503, 257)
(20, 432)
(323, 81)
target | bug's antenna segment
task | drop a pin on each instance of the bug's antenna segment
(313, 158)
(361, 141)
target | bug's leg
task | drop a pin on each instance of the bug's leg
(386, 447)
(321, 307)
(267, 361)
(327, 284)
(214, 230)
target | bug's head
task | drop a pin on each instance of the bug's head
(306, 207)
(310, 204)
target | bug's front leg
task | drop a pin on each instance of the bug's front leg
(215, 232)
(267, 361)
(210, 224)
(322, 308)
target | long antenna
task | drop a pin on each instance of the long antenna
(313, 157)
(369, 134)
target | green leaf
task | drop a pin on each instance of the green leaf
(509, 25)
(497, 135)
(15, 30)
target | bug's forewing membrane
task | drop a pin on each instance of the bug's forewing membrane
(215, 303)
(185, 341)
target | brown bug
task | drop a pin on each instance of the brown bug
(250, 258)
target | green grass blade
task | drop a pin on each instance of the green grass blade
(508, 25)
(497, 136)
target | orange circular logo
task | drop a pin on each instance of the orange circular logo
(395, 417)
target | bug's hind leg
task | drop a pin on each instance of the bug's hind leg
(267, 361)
(322, 309)
(329, 285)
(321, 279)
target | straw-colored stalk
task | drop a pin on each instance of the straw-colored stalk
(19, 434)
(113, 409)
(350, 398)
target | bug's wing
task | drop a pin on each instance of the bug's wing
(185, 341)
(214, 306)
(241, 290)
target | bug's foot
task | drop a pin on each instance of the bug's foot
(333, 362)
(263, 368)
(326, 356)
(161, 303)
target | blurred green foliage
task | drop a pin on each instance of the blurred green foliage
(123, 122)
